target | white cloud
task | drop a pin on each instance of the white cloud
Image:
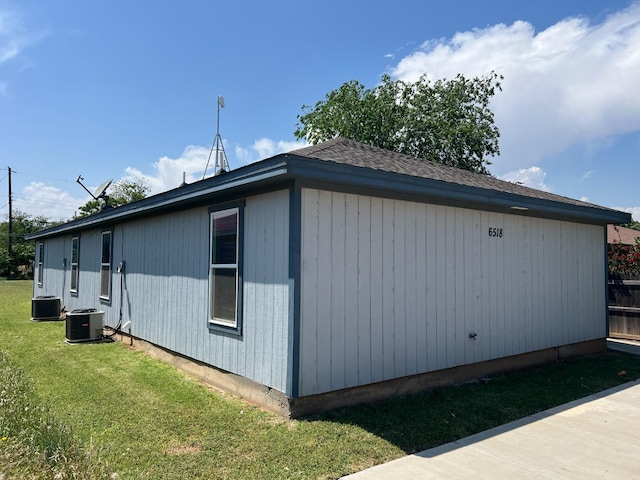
(531, 177)
(574, 83)
(634, 211)
(265, 148)
(167, 172)
(14, 36)
(38, 199)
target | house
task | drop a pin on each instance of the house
(622, 235)
(341, 273)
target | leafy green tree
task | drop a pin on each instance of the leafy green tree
(634, 225)
(121, 193)
(446, 121)
(22, 251)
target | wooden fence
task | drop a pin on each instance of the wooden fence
(624, 307)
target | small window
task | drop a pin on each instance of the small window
(75, 250)
(40, 263)
(105, 267)
(224, 274)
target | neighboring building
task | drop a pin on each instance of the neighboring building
(622, 235)
(341, 273)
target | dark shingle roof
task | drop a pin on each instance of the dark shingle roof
(349, 152)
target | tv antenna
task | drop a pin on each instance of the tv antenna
(100, 192)
(221, 164)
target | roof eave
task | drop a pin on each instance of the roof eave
(320, 172)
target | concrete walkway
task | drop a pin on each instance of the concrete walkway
(594, 437)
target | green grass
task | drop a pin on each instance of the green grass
(143, 419)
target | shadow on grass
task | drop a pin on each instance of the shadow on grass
(430, 419)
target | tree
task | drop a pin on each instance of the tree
(22, 251)
(634, 225)
(446, 121)
(122, 192)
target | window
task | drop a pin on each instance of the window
(225, 267)
(40, 263)
(105, 267)
(75, 246)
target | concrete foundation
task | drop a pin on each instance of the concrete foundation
(276, 401)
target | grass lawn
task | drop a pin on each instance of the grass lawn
(146, 420)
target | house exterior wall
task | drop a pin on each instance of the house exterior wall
(391, 288)
(165, 287)
(53, 276)
(57, 273)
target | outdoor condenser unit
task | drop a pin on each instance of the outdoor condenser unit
(45, 308)
(84, 325)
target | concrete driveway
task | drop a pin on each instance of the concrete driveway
(594, 437)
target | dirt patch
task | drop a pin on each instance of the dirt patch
(184, 450)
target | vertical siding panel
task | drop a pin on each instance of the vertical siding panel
(460, 232)
(337, 345)
(450, 290)
(534, 293)
(310, 293)
(279, 345)
(365, 294)
(478, 299)
(487, 330)
(441, 287)
(388, 297)
(497, 322)
(324, 291)
(399, 289)
(558, 281)
(352, 290)
(498, 243)
(566, 246)
(377, 289)
(410, 284)
(542, 281)
(526, 283)
(422, 288)
(431, 245)
(510, 255)
(251, 293)
(469, 290)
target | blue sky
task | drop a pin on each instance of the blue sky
(121, 89)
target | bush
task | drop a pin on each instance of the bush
(624, 259)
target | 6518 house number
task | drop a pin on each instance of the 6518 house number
(495, 232)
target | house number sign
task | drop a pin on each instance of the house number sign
(495, 232)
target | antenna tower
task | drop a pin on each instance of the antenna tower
(221, 164)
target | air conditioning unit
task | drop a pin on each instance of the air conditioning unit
(45, 308)
(84, 325)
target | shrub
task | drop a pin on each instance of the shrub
(624, 259)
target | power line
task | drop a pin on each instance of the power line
(42, 176)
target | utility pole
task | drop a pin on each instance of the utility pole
(10, 249)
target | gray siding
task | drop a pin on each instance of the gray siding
(391, 288)
(53, 276)
(57, 274)
(165, 287)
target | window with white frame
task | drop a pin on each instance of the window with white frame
(75, 254)
(105, 267)
(40, 263)
(225, 268)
